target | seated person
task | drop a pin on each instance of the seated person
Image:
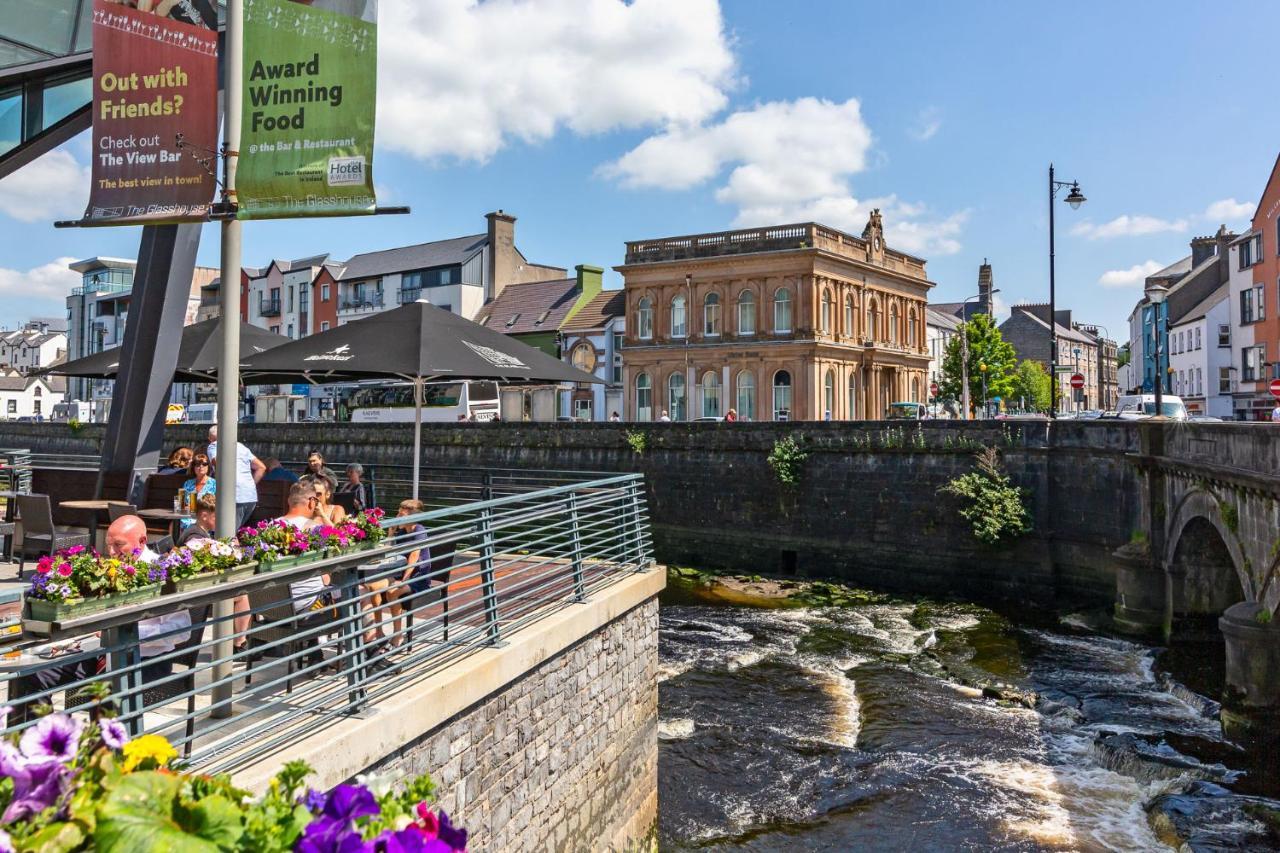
(276, 471)
(327, 512)
(128, 535)
(316, 470)
(200, 484)
(206, 520)
(179, 461)
(355, 486)
(307, 594)
(417, 571)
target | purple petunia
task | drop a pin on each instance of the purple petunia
(314, 800)
(348, 802)
(328, 834)
(114, 734)
(55, 737)
(36, 787)
(454, 836)
(409, 841)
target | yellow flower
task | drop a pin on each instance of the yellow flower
(154, 747)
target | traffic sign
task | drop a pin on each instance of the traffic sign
(1275, 388)
(933, 389)
(1077, 381)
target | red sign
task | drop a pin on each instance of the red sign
(154, 78)
(1077, 381)
(933, 389)
(1275, 387)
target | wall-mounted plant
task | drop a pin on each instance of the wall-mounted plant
(638, 440)
(991, 504)
(1230, 516)
(787, 460)
(75, 426)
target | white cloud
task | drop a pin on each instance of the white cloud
(461, 78)
(54, 186)
(1128, 226)
(1229, 209)
(1131, 277)
(52, 281)
(787, 161)
(928, 123)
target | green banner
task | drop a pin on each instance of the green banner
(310, 89)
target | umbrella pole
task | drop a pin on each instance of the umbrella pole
(417, 432)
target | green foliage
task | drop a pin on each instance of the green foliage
(1230, 516)
(1263, 617)
(1031, 386)
(787, 460)
(990, 503)
(1138, 537)
(986, 346)
(75, 426)
(146, 811)
(278, 820)
(638, 440)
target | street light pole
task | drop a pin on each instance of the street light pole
(983, 368)
(1157, 294)
(1074, 198)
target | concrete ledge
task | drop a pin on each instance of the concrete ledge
(351, 745)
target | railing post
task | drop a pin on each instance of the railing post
(356, 664)
(488, 584)
(642, 564)
(124, 662)
(486, 486)
(575, 536)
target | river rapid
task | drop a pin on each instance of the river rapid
(865, 727)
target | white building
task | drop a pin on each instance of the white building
(592, 342)
(940, 328)
(33, 346)
(1200, 356)
(1251, 399)
(279, 296)
(30, 396)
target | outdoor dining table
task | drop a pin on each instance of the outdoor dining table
(175, 517)
(97, 506)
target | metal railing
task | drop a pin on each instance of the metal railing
(268, 307)
(322, 640)
(358, 302)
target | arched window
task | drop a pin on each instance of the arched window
(853, 397)
(849, 330)
(584, 357)
(710, 395)
(746, 395)
(912, 337)
(826, 311)
(644, 397)
(829, 396)
(676, 397)
(679, 320)
(893, 324)
(782, 396)
(644, 319)
(746, 313)
(873, 321)
(915, 390)
(711, 315)
(782, 310)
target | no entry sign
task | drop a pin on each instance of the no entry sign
(1077, 381)
(1275, 388)
(933, 389)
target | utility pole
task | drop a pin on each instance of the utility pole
(229, 367)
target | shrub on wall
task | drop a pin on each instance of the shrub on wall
(990, 503)
(787, 460)
(639, 441)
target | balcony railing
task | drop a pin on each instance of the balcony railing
(269, 307)
(503, 550)
(361, 302)
(408, 295)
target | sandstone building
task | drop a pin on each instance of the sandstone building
(799, 322)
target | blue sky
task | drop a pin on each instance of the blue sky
(596, 122)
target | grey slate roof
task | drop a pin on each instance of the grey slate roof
(1205, 305)
(538, 306)
(942, 319)
(1062, 331)
(422, 256)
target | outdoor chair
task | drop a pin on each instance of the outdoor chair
(39, 535)
(441, 561)
(119, 510)
(182, 682)
(274, 622)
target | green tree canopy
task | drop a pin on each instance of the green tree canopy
(1031, 386)
(986, 346)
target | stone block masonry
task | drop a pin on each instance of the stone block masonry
(563, 759)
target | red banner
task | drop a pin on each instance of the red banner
(155, 123)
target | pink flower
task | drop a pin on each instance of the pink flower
(65, 570)
(130, 570)
(429, 824)
(45, 565)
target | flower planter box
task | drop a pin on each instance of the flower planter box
(209, 579)
(290, 562)
(41, 611)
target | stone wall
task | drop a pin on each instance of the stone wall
(866, 509)
(565, 758)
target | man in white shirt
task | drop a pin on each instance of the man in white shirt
(160, 634)
(1275, 414)
(249, 470)
(301, 515)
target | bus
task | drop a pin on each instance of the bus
(442, 402)
(72, 410)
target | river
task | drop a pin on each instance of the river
(863, 727)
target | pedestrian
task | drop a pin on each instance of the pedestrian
(317, 469)
(731, 415)
(1275, 414)
(665, 418)
(355, 487)
(615, 418)
(276, 471)
(249, 470)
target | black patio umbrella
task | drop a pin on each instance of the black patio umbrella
(199, 354)
(419, 342)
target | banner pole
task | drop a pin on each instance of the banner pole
(229, 367)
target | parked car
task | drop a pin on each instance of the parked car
(708, 419)
(904, 412)
(1135, 407)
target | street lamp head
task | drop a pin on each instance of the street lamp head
(982, 366)
(1075, 198)
(1157, 292)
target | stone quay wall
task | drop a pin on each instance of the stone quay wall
(866, 510)
(565, 758)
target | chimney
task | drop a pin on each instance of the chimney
(985, 283)
(503, 263)
(1063, 318)
(1204, 248)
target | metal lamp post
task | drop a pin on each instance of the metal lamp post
(982, 367)
(1157, 293)
(964, 353)
(1075, 198)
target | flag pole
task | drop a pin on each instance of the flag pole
(229, 367)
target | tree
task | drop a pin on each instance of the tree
(986, 346)
(1031, 386)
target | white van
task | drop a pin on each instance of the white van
(1133, 407)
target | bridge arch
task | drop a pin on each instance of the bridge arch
(1203, 559)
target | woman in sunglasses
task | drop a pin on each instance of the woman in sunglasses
(201, 483)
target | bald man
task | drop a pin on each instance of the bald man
(126, 536)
